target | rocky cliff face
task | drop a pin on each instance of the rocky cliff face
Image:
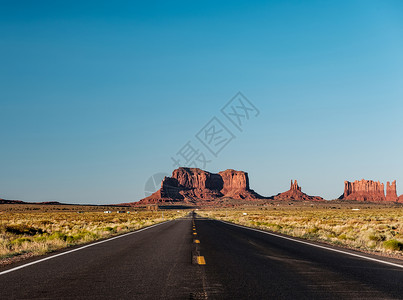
(391, 194)
(368, 190)
(294, 186)
(236, 185)
(191, 185)
(295, 193)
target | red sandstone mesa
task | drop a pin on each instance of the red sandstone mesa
(192, 184)
(371, 191)
(295, 193)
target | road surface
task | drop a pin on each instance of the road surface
(227, 262)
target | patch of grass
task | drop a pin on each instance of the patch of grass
(376, 237)
(393, 245)
(58, 235)
(20, 241)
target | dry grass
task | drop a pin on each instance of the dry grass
(35, 233)
(368, 229)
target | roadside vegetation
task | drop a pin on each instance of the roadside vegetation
(27, 233)
(369, 229)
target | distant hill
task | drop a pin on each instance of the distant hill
(4, 201)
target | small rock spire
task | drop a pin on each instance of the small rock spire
(294, 186)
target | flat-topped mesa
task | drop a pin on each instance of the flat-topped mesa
(234, 181)
(369, 190)
(192, 185)
(295, 194)
(193, 178)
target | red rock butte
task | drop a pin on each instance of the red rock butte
(371, 191)
(295, 193)
(190, 185)
(195, 186)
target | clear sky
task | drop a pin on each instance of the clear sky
(97, 96)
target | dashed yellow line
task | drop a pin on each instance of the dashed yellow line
(194, 233)
(201, 260)
(197, 241)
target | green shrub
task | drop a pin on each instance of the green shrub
(377, 238)
(58, 235)
(41, 238)
(393, 245)
(71, 239)
(20, 241)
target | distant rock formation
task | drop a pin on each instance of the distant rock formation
(364, 190)
(295, 193)
(371, 191)
(391, 194)
(191, 185)
(294, 186)
(4, 201)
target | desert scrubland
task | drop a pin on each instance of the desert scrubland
(375, 228)
(28, 230)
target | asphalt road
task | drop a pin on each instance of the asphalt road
(156, 263)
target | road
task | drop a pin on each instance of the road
(240, 263)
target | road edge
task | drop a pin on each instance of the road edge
(80, 248)
(328, 247)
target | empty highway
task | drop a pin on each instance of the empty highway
(202, 259)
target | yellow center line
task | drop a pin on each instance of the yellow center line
(194, 233)
(197, 241)
(201, 260)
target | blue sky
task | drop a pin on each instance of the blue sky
(96, 97)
